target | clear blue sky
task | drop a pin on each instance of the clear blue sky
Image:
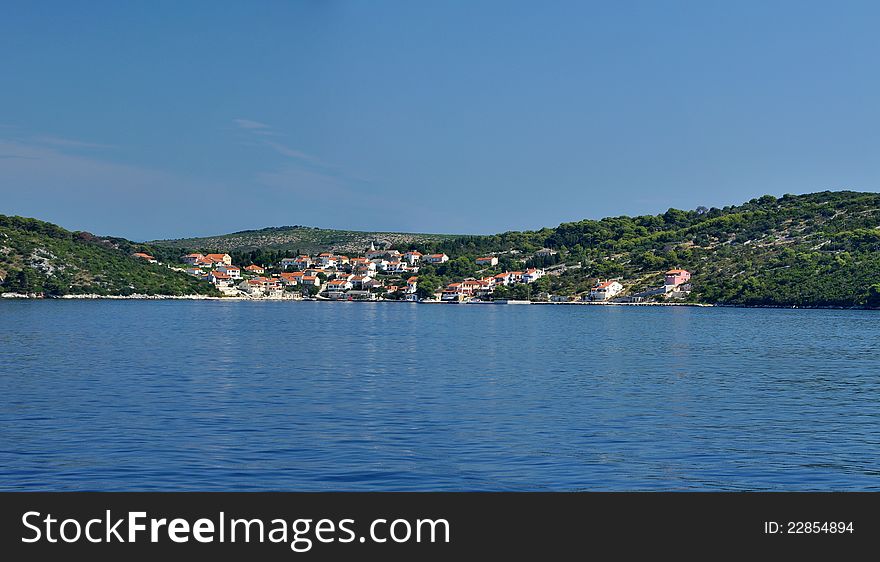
(169, 119)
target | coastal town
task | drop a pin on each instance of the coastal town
(387, 274)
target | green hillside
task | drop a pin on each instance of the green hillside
(820, 249)
(300, 238)
(39, 257)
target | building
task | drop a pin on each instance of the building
(545, 253)
(363, 268)
(288, 263)
(327, 260)
(255, 269)
(362, 282)
(490, 261)
(531, 275)
(397, 266)
(337, 287)
(412, 284)
(412, 256)
(291, 279)
(231, 270)
(219, 258)
(260, 286)
(373, 253)
(675, 277)
(220, 279)
(144, 256)
(310, 281)
(302, 262)
(436, 258)
(605, 290)
(193, 259)
(453, 293)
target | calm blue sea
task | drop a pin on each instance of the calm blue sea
(188, 395)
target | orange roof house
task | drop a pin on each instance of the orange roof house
(219, 258)
(144, 256)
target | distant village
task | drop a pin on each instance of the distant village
(388, 274)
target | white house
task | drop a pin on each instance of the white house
(327, 260)
(220, 279)
(531, 275)
(231, 270)
(373, 254)
(488, 260)
(361, 282)
(338, 286)
(397, 266)
(310, 281)
(436, 258)
(606, 290)
(412, 256)
(302, 262)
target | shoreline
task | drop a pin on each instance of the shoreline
(19, 296)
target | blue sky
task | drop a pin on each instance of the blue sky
(170, 119)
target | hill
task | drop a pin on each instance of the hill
(301, 239)
(819, 249)
(40, 257)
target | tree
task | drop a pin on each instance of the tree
(874, 295)
(427, 286)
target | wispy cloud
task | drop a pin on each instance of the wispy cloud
(250, 124)
(70, 143)
(291, 152)
(262, 129)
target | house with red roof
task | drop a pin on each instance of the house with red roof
(233, 271)
(291, 279)
(219, 258)
(531, 275)
(605, 290)
(146, 257)
(436, 258)
(220, 279)
(412, 256)
(193, 259)
(675, 277)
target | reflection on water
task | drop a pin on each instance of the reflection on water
(131, 395)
